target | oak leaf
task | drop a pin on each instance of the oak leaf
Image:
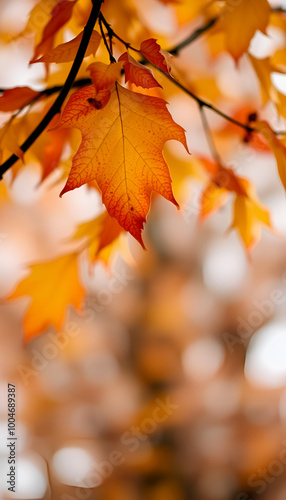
(66, 52)
(52, 285)
(137, 73)
(121, 149)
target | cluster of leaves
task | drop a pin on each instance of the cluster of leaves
(114, 97)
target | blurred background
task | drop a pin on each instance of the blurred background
(171, 384)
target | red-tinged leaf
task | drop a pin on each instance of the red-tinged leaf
(152, 51)
(53, 151)
(122, 150)
(226, 179)
(104, 75)
(223, 177)
(53, 285)
(60, 15)
(66, 52)
(17, 98)
(137, 73)
(252, 139)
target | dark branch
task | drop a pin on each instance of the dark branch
(56, 107)
(72, 83)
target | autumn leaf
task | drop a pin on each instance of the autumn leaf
(17, 98)
(212, 199)
(249, 215)
(121, 149)
(223, 180)
(152, 51)
(104, 75)
(263, 69)
(101, 233)
(278, 149)
(66, 52)
(51, 151)
(137, 73)
(52, 286)
(239, 22)
(9, 142)
(230, 129)
(60, 15)
(223, 177)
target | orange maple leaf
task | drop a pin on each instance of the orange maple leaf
(152, 51)
(66, 52)
(104, 75)
(47, 307)
(60, 15)
(121, 149)
(137, 73)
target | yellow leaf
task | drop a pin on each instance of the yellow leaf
(9, 142)
(239, 22)
(101, 232)
(263, 69)
(52, 285)
(249, 214)
(213, 198)
(279, 150)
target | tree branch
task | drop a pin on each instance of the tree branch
(72, 83)
(56, 107)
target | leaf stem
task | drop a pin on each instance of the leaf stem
(208, 135)
(56, 107)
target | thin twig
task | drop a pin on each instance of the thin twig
(196, 34)
(208, 135)
(108, 48)
(56, 107)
